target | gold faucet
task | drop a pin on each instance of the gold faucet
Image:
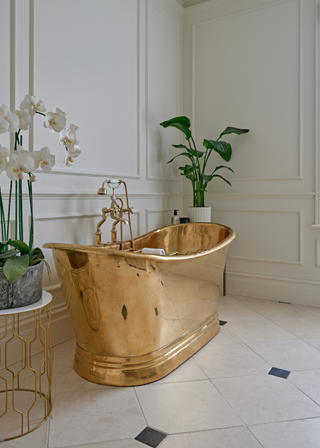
(116, 211)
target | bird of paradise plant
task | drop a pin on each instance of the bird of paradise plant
(199, 159)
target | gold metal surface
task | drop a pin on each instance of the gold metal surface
(25, 387)
(137, 317)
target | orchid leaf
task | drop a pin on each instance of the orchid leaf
(22, 247)
(3, 244)
(16, 267)
(232, 130)
(36, 256)
(10, 253)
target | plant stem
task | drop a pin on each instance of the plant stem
(31, 213)
(3, 221)
(9, 209)
(20, 211)
(16, 211)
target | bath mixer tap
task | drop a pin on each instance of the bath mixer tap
(116, 211)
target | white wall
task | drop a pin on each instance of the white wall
(115, 68)
(253, 64)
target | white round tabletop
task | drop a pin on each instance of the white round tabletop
(45, 300)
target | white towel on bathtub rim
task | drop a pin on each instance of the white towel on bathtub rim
(152, 251)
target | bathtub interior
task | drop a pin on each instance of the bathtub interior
(180, 239)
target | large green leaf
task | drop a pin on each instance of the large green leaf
(176, 120)
(182, 154)
(209, 177)
(187, 169)
(20, 245)
(222, 148)
(231, 130)
(180, 146)
(14, 268)
(222, 166)
(181, 123)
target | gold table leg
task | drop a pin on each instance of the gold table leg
(25, 383)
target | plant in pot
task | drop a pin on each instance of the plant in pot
(196, 170)
(21, 265)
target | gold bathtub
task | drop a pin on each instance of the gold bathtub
(137, 317)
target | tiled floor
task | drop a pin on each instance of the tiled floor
(223, 397)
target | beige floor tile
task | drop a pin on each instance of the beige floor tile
(225, 337)
(189, 406)
(188, 371)
(129, 443)
(310, 309)
(272, 309)
(231, 310)
(308, 382)
(95, 416)
(65, 379)
(305, 327)
(295, 434)
(259, 330)
(230, 360)
(314, 342)
(36, 439)
(65, 350)
(265, 398)
(288, 355)
(218, 438)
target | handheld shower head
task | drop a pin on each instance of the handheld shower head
(102, 190)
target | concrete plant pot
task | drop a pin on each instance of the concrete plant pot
(25, 291)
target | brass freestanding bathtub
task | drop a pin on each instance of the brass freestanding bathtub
(137, 317)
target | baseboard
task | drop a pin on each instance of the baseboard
(284, 289)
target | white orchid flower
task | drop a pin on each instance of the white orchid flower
(24, 119)
(16, 153)
(72, 154)
(18, 167)
(55, 120)
(9, 121)
(4, 152)
(68, 137)
(33, 104)
(44, 159)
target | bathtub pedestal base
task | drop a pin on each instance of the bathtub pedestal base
(138, 370)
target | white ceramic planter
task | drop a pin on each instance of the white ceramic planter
(199, 214)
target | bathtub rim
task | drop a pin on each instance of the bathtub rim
(100, 250)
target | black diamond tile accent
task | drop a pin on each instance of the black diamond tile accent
(222, 322)
(279, 372)
(151, 437)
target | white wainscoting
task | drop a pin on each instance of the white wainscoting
(251, 64)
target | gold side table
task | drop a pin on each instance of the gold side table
(25, 383)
